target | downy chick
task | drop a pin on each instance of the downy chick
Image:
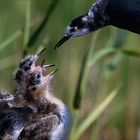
(40, 115)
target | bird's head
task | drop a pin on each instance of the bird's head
(94, 19)
(37, 83)
(26, 66)
(30, 80)
(77, 27)
(28, 62)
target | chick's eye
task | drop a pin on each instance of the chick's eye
(30, 63)
(27, 66)
(35, 79)
(38, 75)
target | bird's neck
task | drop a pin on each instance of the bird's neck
(97, 15)
(49, 104)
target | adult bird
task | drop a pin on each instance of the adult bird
(124, 14)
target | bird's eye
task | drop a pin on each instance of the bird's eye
(35, 79)
(38, 75)
(26, 65)
(72, 29)
(30, 63)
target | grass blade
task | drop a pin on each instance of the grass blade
(81, 85)
(10, 39)
(27, 26)
(95, 114)
(132, 53)
(101, 54)
(40, 28)
(83, 76)
(6, 62)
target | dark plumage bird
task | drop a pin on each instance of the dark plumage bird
(33, 113)
(124, 14)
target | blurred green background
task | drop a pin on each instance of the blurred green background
(99, 74)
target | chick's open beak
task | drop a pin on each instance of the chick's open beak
(41, 52)
(47, 79)
(37, 56)
(45, 66)
(62, 40)
(53, 72)
(48, 65)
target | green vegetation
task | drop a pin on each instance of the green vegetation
(98, 75)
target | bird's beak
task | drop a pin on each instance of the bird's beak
(39, 54)
(53, 72)
(62, 40)
(48, 77)
(48, 65)
(45, 66)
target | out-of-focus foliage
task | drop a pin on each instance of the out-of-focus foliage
(90, 67)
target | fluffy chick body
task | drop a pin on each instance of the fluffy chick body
(33, 113)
